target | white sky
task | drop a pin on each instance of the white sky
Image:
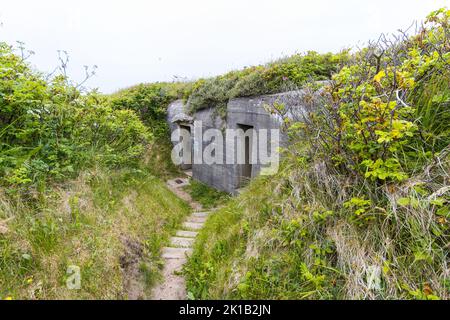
(146, 40)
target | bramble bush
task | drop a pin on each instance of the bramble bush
(51, 130)
(387, 110)
(150, 102)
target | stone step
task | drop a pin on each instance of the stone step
(201, 214)
(175, 253)
(192, 225)
(178, 183)
(186, 234)
(182, 242)
(171, 266)
(195, 219)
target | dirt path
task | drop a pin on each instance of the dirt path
(173, 286)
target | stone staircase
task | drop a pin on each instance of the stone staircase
(173, 286)
(175, 256)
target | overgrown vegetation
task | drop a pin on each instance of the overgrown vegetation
(80, 185)
(51, 131)
(110, 223)
(150, 102)
(282, 75)
(207, 196)
(360, 208)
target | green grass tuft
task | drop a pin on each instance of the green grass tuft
(208, 197)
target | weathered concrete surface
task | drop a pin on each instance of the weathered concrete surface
(181, 242)
(177, 112)
(252, 112)
(178, 117)
(186, 234)
(192, 226)
(175, 253)
(174, 286)
(241, 113)
(196, 219)
(200, 214)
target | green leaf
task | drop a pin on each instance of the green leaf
(438, 202)
(403, 202)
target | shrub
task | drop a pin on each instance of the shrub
(150, 102)
(282, 75)
(379, 117)
(50, 130)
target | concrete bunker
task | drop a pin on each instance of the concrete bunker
(247, 115)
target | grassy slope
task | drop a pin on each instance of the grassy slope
(290, 237)
(106, 223)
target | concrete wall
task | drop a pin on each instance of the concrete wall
(240, 112)
(216, 175)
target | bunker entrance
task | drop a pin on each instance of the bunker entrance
(187, 147)
(246, 167)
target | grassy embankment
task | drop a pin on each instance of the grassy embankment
(81, 184)
(111, 224)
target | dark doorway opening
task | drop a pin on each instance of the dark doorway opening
(246, 167)
(187, 147)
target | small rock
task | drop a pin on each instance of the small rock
(3, 229)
